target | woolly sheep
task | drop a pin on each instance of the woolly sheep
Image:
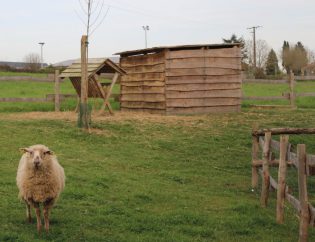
(40, 179)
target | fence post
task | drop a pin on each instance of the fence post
(265, 177)
(255, 150)
(303, 197)
(281, 178)
(57, 91)
(292, 86)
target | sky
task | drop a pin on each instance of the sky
(59, 23)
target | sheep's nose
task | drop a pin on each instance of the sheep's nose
(36, 162)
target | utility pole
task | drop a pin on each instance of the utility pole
(41, 54)
(254, 42)
(146, 28)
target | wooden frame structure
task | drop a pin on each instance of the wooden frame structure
(183, 79)
(303, 162)
(96, 89)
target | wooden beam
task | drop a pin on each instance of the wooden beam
(284, 140)
(277, 131)
(255, 150)
(266, 176)
(57, 91)
(303, 197)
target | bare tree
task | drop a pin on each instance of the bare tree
(262, 51)
(32, 62)
(310, 55)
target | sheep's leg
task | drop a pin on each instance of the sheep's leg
(39, 223)
(47, 206)
(28, 212)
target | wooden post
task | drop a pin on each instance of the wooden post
(292, 85)
(303, 197)
(255, 150)
(266, 177)
(57, 91)
(281, 178)
(83, 117)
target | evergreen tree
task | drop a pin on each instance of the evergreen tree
(272, 67)
(234, 39)
(299, 57)
(286, 56)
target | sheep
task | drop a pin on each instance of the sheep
(40, 179)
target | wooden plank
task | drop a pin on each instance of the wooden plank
(305, 94)
(143, 97)
(27, 78)
(284, 140)
(148, 64)
(212, 62)
(142, 59)
(145, 105)
(144, 83)
(202, 53)
(266, 176)
(142, 89)
(202, 110)
(303, 197)
(237, 93)
(204, 87)
(277, 131)
(57, 91)
(145, 69)
(203, 79)
(202, 71)
(22, 99)
(143, 77)
(293, 201)
(203, 102)
(255, 150)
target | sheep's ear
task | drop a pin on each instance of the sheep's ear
(48, 152)
(24, 150)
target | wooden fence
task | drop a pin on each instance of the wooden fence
(304, 163)
(291, 96)
(57, 98)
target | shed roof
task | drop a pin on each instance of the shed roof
(176, 47)
(95, 66)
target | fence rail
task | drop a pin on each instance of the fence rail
(291, 96)
(303, 162)
(48, 78)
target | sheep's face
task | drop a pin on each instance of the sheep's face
(37, 155)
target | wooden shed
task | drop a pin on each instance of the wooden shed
(96, 68)
(182, 79)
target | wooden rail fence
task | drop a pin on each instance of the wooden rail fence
(291, 96)
(57, 98)
(303, 162)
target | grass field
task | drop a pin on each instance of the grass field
(250, 89)
(140, 177)
(149, 178)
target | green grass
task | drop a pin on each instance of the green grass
(256, 89)
(183, 179)
(40, 90)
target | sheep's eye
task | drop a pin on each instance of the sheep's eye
(31, 152)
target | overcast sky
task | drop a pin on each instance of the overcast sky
(172, 22)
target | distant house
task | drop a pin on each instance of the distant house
(17, 65)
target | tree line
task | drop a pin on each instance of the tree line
(292, 56)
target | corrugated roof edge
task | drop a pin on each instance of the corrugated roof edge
(176, 47)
